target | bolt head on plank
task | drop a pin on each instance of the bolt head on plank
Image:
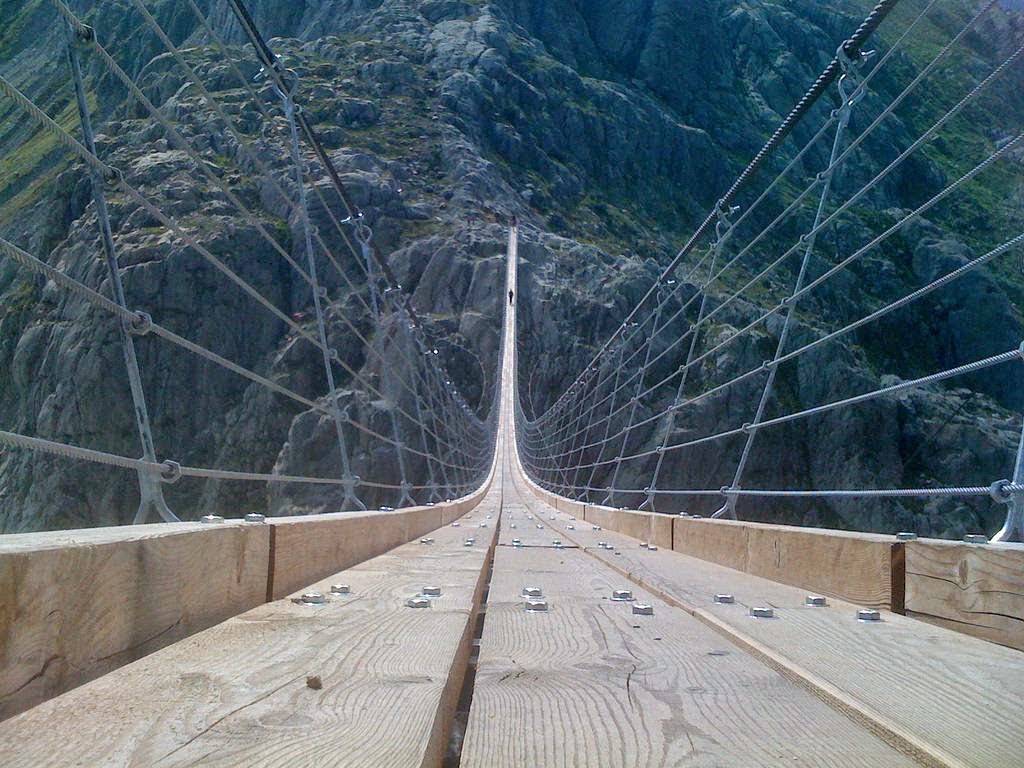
(762, 612)
(211, 519)
(539, 526)
(868, 614)
(724, 598)
(570, 527)
(652, 548)
(431, 591)
(456, 524)
(511, 525)
(313, 598)
(596, 527)
(643, 609)
(643, 545)
(622, 595)
(906, 536)
(815, 601)
(976, 538)
(426, 541)
(340, 589)
(532, 592)
(469, 542)
(417, 602)
(534, 605)
(255, 517)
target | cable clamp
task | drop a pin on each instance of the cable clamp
(747, 428)
(998, 491)
(724, 490)
(140, 324)
(170, 472)
(84, 34)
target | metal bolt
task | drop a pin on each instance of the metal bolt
(417, 602)
(431, 591)
(652, 548)
(724, 598)
(426, 541)
(906, 536)
(643, 609)
(517, 541)
(868, 614)
(556, 542)
(511, 525)
(456, 524)
(533, 605)
(211, 519)
(602, 544)
(973, 538)
(539, 525)
(596, 527)
(815, 601)
(532, 592)
(762, 612)
(255, 517)
(483, 525)
(622, 595)
(643, 545)
(313, 598)
(529, 517)
(469, 542)
(517, 544)
(340, 589)
(570, 527)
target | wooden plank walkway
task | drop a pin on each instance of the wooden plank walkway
(946, 697)
(243, 692)
(590, 683)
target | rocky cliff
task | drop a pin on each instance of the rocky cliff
(609, 128)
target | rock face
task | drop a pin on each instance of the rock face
(609, 129)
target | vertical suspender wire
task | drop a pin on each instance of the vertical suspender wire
(1013, 528)
(619, 354)
(728, 509)
(350, 500)
(414, 356)
(722, 228)
(405, 498)
(151, 495)
(609, 499)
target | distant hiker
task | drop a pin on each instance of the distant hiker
(510, 297)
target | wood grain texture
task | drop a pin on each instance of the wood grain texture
(237, 694)
(645, 526)
(863, 568)
(949, 698)
(974, 589)
(590, 684)
(76, 604)
(314, 546)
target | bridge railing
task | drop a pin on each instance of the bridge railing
(440, 446)
(772, 265)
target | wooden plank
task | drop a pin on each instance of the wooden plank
(314, 546)
(589, 683)
(977, 589)
(723, 542)
(76, 604)
(237, 693)
(952, 699)
(863, 568)
(645, 526)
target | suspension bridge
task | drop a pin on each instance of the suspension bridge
(494, 585)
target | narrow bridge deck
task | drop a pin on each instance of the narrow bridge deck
(364, 680)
